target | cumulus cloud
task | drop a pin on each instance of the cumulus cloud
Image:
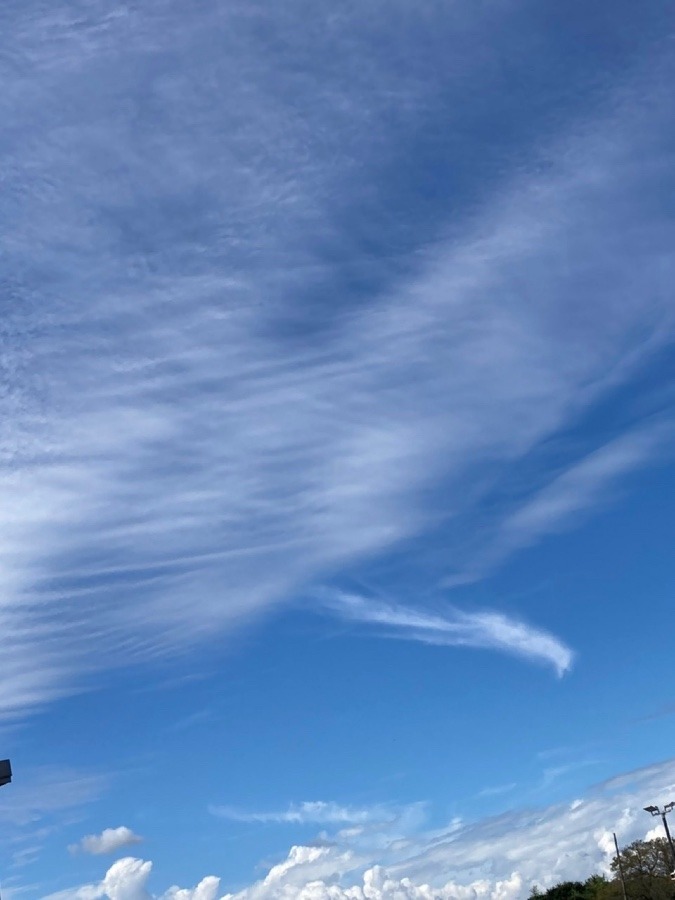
(654, 833)
(452, 628)
(127, 879)
(110, 840)
(207, 889)
(377, 884)
(496, 858)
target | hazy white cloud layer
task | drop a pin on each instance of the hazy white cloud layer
(314, 811)
(110, 840)
(583, 486)
(47, 792)
(499, 858)
(234, 362)
(39, 804)
(452, 628)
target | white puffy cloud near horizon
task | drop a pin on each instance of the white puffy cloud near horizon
(496, 858)
(126, 879)
(110, 840)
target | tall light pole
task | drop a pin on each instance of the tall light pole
(655, 811)
(5, 771)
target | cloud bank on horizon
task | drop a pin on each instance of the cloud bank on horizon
(221, 381)
(495, 859)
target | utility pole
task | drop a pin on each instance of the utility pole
(618, 859)
(655, 811)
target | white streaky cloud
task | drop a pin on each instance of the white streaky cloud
(110, 840)
(454, 628)
(40, 804)
(498, 790)
(497, 858)
(317, 812)
(178, 421)
(583, 487)
(43, 794)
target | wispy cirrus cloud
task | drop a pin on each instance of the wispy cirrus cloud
(498, 790)
(44, 793)
(209, 390)
(41, 802)
(318, 812)
(454, 628)
(585, 486)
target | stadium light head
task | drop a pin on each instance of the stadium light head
(5, 771)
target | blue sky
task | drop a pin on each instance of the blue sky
(336, 455)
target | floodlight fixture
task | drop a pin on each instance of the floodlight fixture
(655, 811)
(5, 771)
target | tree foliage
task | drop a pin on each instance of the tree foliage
(594, 888)
(646, 868)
